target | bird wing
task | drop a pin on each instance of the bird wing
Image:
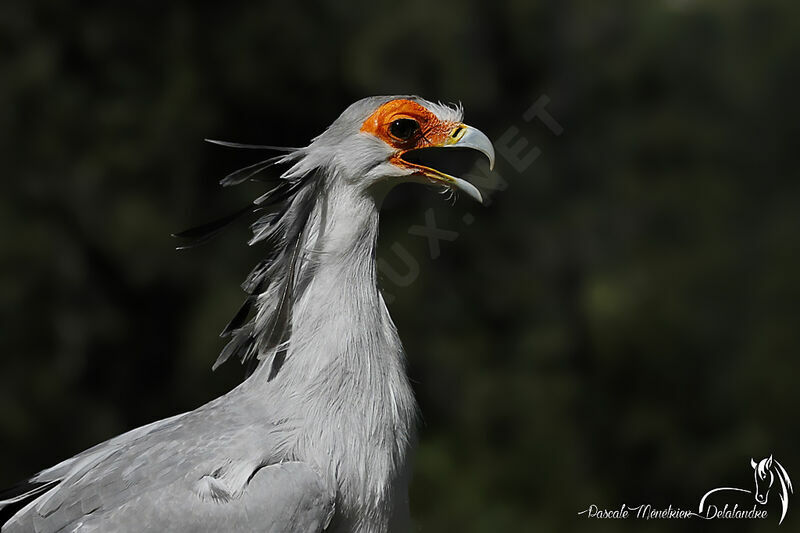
(280, 498)
(201, 471)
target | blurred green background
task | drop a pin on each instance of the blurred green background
(620, 325)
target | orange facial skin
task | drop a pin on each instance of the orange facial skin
(393, 123)
(433, 132)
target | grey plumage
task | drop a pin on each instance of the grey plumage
(318, 436)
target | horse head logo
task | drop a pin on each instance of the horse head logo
(762, 471)
(766, 472)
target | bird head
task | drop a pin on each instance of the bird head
(381, 141)
(376, 143)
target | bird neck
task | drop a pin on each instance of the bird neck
(344, 369)
(339, 322)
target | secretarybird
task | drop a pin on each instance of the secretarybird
(318, 436)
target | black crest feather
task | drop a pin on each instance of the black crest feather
(200, 234)
(263, 323)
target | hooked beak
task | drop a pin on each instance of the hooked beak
(461, 136)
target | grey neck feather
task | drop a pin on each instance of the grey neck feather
(338, 313)
(344, 366)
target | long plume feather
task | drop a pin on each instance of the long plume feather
(251, 146)
(261, 326)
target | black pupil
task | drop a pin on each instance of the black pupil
(403, 128)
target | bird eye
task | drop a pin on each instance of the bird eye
(403, 128)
